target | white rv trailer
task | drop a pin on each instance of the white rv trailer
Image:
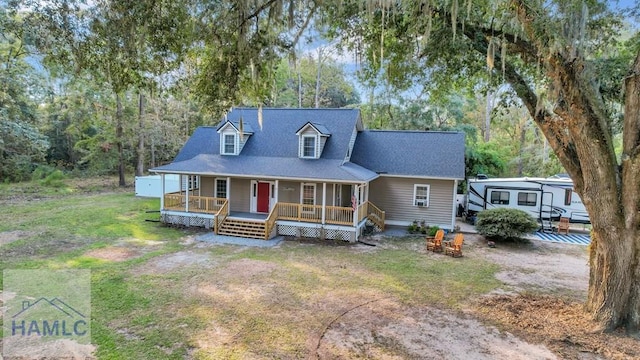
(546, 199)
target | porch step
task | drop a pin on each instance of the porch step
(242, 228)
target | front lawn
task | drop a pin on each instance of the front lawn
(157, 293)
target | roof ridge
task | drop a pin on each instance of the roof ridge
(416, 131)
(292, 108)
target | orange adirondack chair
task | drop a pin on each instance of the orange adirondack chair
(563, 225)
(454, 248)
(435, 243)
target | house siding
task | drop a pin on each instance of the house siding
(293, 196)
(352, 141)
(207, 186)
(288, 192)
(240, 192)
(395, 197)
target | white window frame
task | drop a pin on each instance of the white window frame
(305, 208)
(315, 146)
(226, 187)
(302, 193)
(423, 201)
(224, 143)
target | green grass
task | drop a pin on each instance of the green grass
(241, 302)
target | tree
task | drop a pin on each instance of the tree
(22, 145)
(119, 43)
(333, 90)
(544, 50)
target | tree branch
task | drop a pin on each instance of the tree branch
(256, 13)
(305, 24)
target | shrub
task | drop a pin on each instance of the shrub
(55, 179)
(433, 230)
(48, 176)
(505, 224)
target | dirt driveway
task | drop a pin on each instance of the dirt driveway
(534, 314)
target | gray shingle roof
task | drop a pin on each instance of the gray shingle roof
(271, 167)
(411, 153)
(246, 128)
(272, 151)
(277, 137)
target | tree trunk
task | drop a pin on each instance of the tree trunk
(578, 131)
(318, 75)
(614, 285)
(523, 138)
(140, 163)
(487, 117)
(119, 145)
(153, 153)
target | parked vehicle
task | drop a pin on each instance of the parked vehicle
(546, 199)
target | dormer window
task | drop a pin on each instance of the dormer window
(233, 137)
(313, 138)
(229, 144)
(309, 146)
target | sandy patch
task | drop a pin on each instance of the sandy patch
(113, 253)
(247, 268)
(542, 266)
(7, 237)
(387, 330)
(56, 349)
(170, 262)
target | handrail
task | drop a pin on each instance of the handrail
(270, 221)
(334, 215)
(378, 215)
(221, 215)
(197, 204)
(362, 211)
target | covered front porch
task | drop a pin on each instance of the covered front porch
(242, 211)
(216, 215)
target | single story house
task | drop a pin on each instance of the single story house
(311, 172)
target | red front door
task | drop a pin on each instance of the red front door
(263, 197)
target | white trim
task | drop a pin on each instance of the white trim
(302, 185)
(253, 200)
(421, 203)
(315, 226)
(315, 146)
(223, 143)
(187, 214)
(253, 196)
(163, 191)
(407, 223)
(186, 196)
(253, 176)
(419, 177)
(455, 206)
(215, 186)
(324, 201)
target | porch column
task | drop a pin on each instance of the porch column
(354, 204)
(366, 192)
(276, 191)
(333, 200)
(163, 191)
(186, 196)
(324, 202)
(228, 188)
